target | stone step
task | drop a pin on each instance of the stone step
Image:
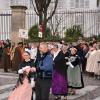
(5, 90)
(8, 74)
(87, 93)
(98, 98)
(8, 78)
(7, 87)
(4, 96)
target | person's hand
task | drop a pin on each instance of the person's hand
(27, 69)
(70, 64)
(33, 69)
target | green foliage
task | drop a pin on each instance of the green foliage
(98, 38)
(72, 34)
(53, 38)
(48, 33)
(89, 39)
(33, 35)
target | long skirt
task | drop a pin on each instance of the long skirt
(97, 63)
(91, 62)
(22, 92)
(74, 76)
(59, 84)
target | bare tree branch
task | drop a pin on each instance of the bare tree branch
(56, 3)
(35, 9)
(41, 8)
(48, 3)
(58, 21)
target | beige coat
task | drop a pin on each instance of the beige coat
(96, 64)
(91, 62)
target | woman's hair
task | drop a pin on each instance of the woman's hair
(73, 48)
(27, 52)
(91, 44)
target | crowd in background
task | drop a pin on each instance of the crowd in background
(70, 61)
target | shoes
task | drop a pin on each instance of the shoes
(57, 98)
(97, 77)
(5, 70)
(63, 97)
(60, 98)
(71, 93)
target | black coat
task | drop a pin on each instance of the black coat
(60, 63)
(29, 63)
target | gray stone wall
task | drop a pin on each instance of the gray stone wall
(17, 21)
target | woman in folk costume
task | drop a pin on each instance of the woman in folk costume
(27, 66)
(97, 64)
(26, 76)
(90, 60)
(74, 74)
(59, 78)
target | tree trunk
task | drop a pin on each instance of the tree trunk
(44, 23)
(40, 19)
(44, 29)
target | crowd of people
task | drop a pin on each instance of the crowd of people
(53, 66)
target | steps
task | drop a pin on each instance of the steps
(8, 73)
(87, 93)
(98, 98)
(7, 83)
(4, 96)
(8, 80)
(5, 91)
(6, 88)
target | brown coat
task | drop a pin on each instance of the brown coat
(6, 59)
(17, 58)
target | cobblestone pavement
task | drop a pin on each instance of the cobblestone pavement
(11, 78)
(88, 80)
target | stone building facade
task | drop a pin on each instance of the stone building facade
(72, 12)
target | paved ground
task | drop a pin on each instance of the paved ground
(90, 80)
(90, 92)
